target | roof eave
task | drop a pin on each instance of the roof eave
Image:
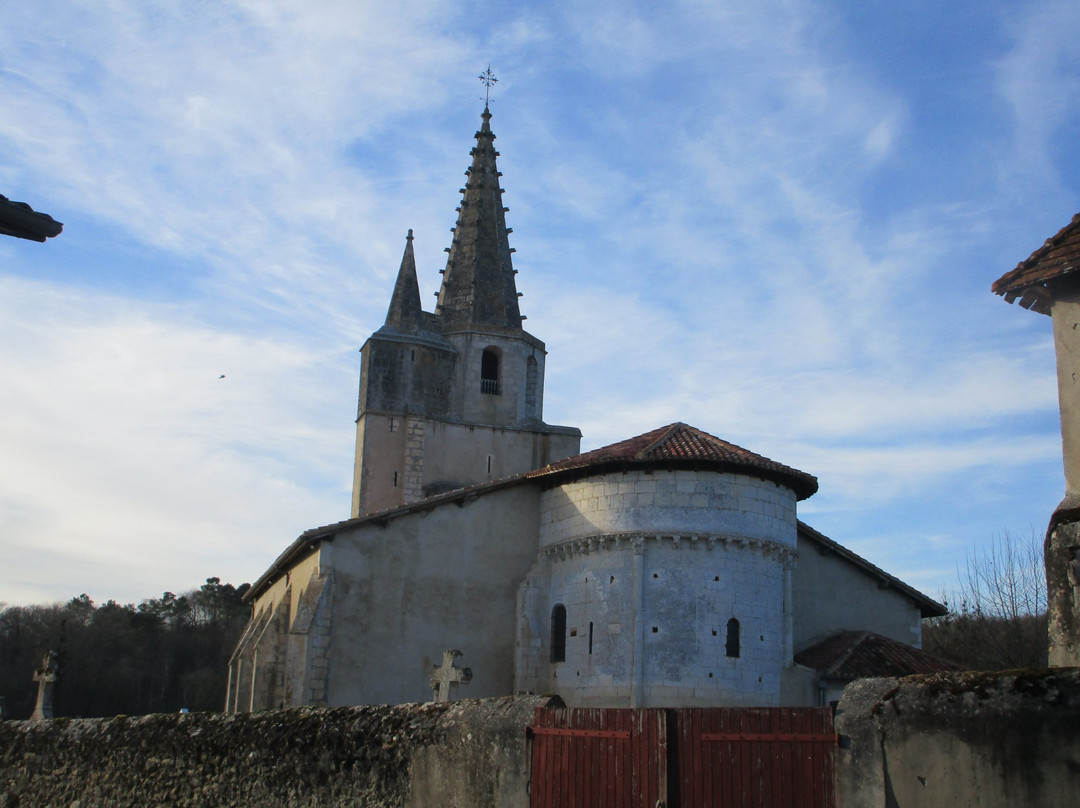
(802, 485)
(928, 607)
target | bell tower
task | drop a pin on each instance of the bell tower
(455, 397)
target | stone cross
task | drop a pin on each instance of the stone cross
(46, 677)
(445, 677)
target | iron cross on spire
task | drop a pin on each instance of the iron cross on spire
(489, 80)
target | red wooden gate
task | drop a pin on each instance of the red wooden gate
(756, 758)
(718, 757)
(587, 758)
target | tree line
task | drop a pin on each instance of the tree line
(172, 652)
(163, 655)
(997, 613)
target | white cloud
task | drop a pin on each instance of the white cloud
(722, 217)
(125, 450)
(1040, 79)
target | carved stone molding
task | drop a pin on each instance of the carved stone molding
(636, 543)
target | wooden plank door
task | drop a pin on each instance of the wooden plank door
(598, 758)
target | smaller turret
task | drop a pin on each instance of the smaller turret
(406, 312)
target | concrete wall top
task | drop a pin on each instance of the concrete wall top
(995, 740)
(468, 753)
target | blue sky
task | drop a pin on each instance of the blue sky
(777, 221)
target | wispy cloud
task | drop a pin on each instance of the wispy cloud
(742, 216)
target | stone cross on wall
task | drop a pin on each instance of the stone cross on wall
(445, 678)
(46, 677)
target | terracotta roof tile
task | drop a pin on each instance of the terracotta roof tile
(856, 654)
(1059, 255)
(682, 445)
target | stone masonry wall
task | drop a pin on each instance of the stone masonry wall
(993, 740)
(469, 753)
(684, 501)
(650, 567)
(673, 612)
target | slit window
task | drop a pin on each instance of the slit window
(489, 372)
(558, 633)
(731, 646)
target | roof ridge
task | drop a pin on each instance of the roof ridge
(665, 436)
(859, 638)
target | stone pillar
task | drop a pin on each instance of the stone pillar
(1062, 546)
(414, 459)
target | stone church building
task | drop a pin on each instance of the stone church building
(668, 569)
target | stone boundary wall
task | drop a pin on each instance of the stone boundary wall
(467, 753)
(993, 740)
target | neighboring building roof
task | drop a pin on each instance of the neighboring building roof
(679, 445)
(22, 221)
(928, 607)
(857, 654)
(1059, 255)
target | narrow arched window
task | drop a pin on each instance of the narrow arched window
(489, 372)
(558, 633)
(731, 647)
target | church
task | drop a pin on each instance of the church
(487, 556)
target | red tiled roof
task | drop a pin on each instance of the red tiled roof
(855, 654)
(1058, 256)
(681, 445)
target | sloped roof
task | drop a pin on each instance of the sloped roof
(857, 654)
(680, 445)
(22, 221)
(1058, 256)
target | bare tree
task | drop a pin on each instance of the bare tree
(998, 619)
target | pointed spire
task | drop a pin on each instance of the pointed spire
(406, 312)
(478, 286)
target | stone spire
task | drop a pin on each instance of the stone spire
(478, 286)
(406, 312)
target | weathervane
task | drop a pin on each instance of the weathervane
(489, 80)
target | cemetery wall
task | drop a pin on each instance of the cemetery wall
(996, 740)
(468, 753)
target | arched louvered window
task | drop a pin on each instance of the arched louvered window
(489, 372)
(731, 647)
(558, 633)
